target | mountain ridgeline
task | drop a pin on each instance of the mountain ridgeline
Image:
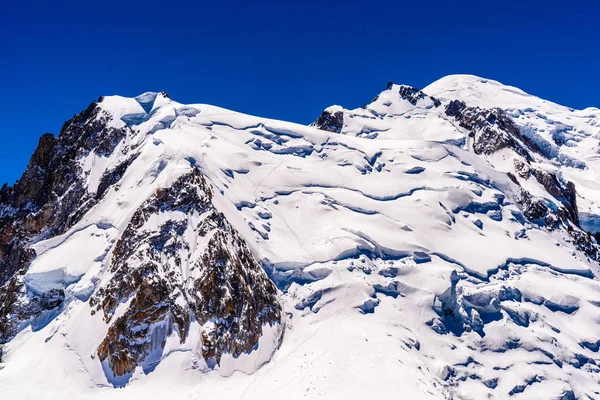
(442, 240)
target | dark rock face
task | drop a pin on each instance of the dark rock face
(43, 203)
(111, 177)
(563, 192)
(412, 95)
(565, 217)
(492, 130)
(33, 186)
(328, 121)
(224, 289)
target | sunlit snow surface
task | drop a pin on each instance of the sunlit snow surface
(363, 232)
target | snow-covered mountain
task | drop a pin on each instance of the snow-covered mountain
(437, 243)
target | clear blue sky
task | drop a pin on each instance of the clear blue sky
(285, 60)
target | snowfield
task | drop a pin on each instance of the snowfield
(403, 260)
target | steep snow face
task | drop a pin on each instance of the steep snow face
(414, 245)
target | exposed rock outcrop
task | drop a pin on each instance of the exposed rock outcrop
(491, 130)
(563, 192)
(412, 95)
(330, 120)
(44, 203)
(191, 268)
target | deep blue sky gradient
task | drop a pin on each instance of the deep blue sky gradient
(285, 60)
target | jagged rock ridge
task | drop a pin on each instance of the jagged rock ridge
(46, 201)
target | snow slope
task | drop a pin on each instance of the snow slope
(403, 260)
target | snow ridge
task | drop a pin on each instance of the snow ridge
(442, 241)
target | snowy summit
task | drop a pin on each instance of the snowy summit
(439, 243)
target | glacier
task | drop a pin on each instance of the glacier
(417, 247)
